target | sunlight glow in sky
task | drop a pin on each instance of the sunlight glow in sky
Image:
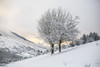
(22, 16)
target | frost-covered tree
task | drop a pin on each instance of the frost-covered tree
(47, 29)
(92, 36)
(66, 27)
(96, 36)
(57, 26)
(84, 38)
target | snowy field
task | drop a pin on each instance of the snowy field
(87, 55)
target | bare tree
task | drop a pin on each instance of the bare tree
(57, 26)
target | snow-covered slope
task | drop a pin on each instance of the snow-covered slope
(19, 45)
(87, 55)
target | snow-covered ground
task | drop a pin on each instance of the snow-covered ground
(87, 55)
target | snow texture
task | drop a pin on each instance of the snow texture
(87, 55)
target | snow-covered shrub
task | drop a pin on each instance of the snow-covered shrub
(7, 56)
(87, 65)
(0, 34)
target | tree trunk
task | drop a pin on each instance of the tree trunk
(59, 46)
(52, 48)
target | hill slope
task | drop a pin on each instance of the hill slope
(17, 46)
(87, 55)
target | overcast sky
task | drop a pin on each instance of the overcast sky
(21, 16)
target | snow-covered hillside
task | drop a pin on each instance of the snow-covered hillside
(87, 55)
(14, 43)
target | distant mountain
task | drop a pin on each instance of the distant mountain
(19, 36)
(17, 47)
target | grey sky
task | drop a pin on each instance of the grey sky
(21, 16)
